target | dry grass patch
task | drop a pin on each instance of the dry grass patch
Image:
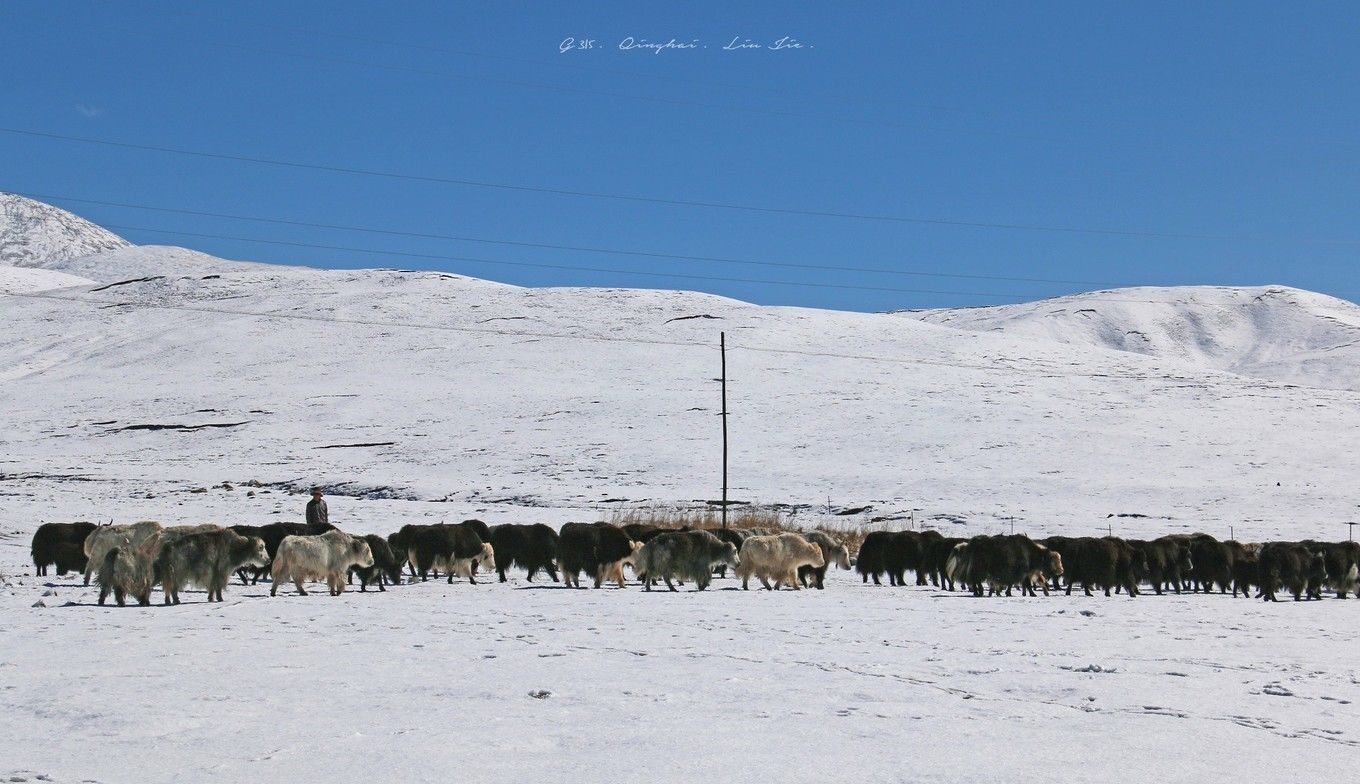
(745, 516)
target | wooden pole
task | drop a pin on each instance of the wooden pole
(722, 348)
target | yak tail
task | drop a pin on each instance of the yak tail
(106, 569)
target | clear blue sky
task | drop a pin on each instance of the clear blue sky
(1233, 122)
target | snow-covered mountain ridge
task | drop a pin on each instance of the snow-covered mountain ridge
(1272, 332)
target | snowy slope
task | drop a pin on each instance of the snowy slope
(25, 279)
(34, 234)
(144, 261)
(1270, 332)
(495, 397)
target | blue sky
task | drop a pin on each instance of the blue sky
(1222, 135)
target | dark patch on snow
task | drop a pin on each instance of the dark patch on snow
(949, 518)
(110, 422)
(127, 282)
(504, 318)
(353, 446)
(687, 318)
(210, 277)
(348, 490)
(53, 477)
(854, 510)
(185, 428)
(1091, 668)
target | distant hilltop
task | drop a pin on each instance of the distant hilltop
(34, 234)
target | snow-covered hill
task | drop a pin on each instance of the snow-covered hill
(1271, 332)
(34, 234)
(182, 370)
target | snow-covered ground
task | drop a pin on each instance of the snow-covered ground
(433, 682)
(419, 396)
(25, 280)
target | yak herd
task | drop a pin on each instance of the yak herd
(129, 560)
(1177, 562)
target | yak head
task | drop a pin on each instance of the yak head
(634, 547)
(259, 556)
(729, 555)
(840, 555)
(487, 558)
(1054, 565)
(363, 554)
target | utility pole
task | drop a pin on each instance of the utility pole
(722, 349)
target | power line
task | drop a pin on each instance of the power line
(1019, 299)
(577, 248)
(335, 169)
(1022, 299)
(570, 267)
(598, 338)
